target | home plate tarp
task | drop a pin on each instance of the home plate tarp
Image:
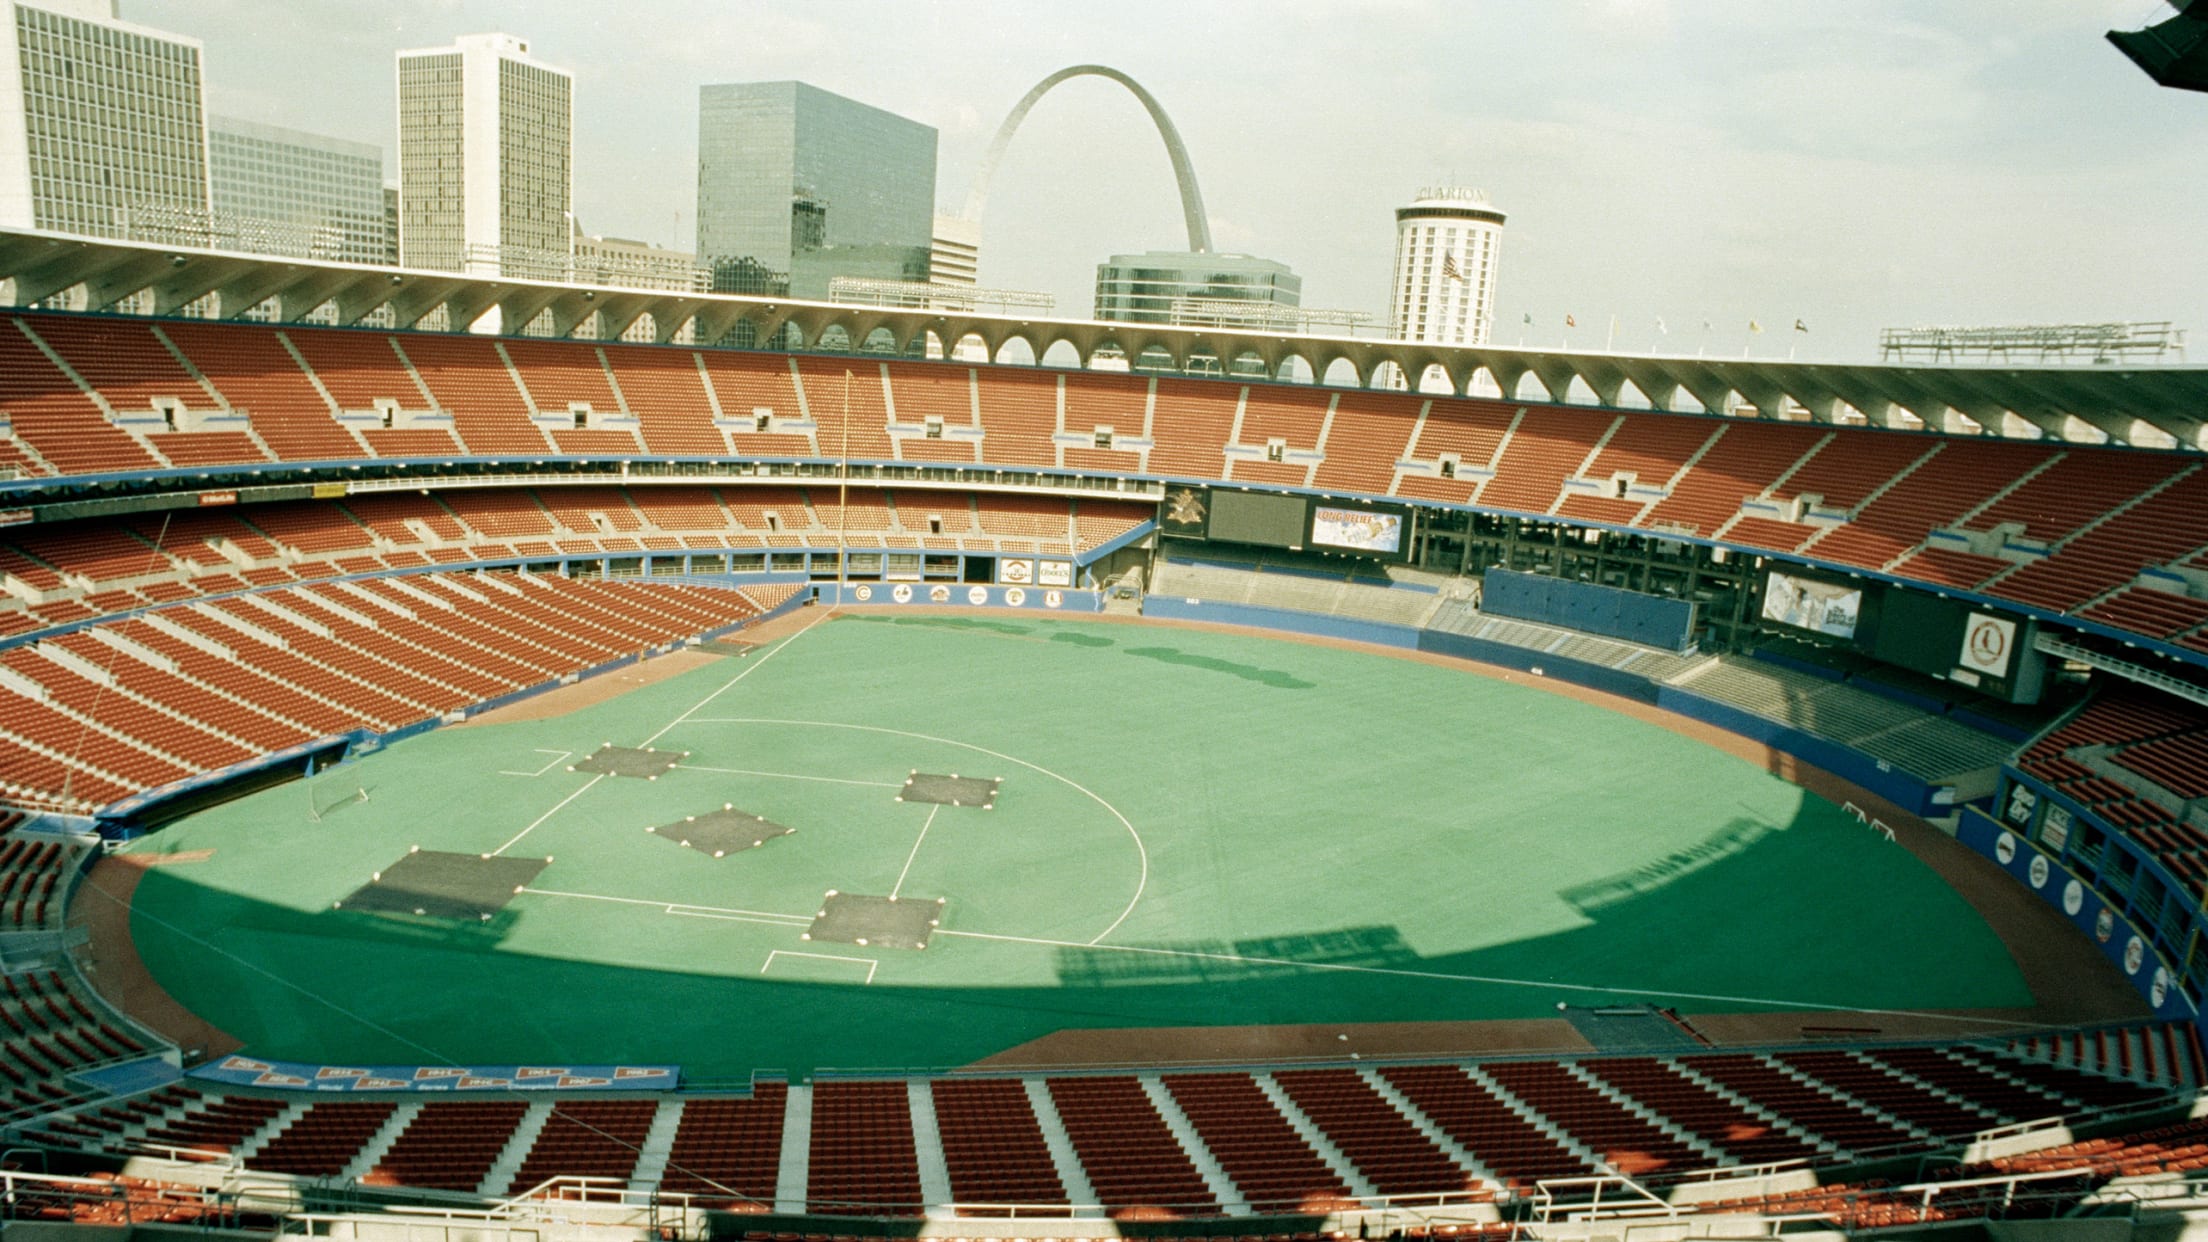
(243, 1071)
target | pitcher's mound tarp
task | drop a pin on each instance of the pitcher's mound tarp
(722, 832)
(877, 922)
(952, 790)
(612, 760)
(437, 885)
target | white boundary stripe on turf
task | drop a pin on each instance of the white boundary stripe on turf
(1142, 852)
(789, 776)
(929, 823)
(561, 754)
(871, 964)
(548, 814)
(677, 907)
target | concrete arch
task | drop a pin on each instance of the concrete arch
(1184, 172)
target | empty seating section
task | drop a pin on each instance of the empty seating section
(1019, 414)
(862, 1159)
(1504, 1142)
(1936, 494)
(2156, 614)
(50, 1032)
(1295, 418)
(2082, 486)
(587, 1138)
(2117, 756)
(681, 508)
(1649, 447)
(924, 391)
(1836, 476)
(993, 1147)
(1098, 522)
(129, 366)
(325, 1139)
(729, 1151)
(1601, 1124)
(592, 510)
(1745, 461)
(213, 1126)
(1042, 519)
(466, 378)
(259, 378)
(770, 510)
(34, 873)
(1273, 1169)
(558, 375)
(1387, 1149)
(666, 392)
(95, 552)
(1470, 432)
(2160, 529)
(1547, 445)
(1133, 1162)
(55, 417)
(752, 387)
(1193, 421)
(1882, 1089)
(1719, 1122)
(506, 515)
(1371, 432)
(1118, 402)
(834, 386)
(1844, 1124)
(448, 1146)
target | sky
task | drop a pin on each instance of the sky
(1851, 166)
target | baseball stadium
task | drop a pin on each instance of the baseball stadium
(708, 766)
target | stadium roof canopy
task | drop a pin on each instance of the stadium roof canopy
(2146, 405)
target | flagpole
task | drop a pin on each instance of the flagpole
(1610, 342)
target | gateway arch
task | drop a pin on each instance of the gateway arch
(1192, 198)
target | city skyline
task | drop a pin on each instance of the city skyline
(1687, 163)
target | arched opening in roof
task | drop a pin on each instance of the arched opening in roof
(1579, 392)
(1062, 354)
(1154, 359)
(1247, 365)
(1341, 373)
(1483, 384)
(835, 339)
(1630, 397)
(1435, 381)
(1530, 388)
(880, 341)
(1684, 401)
(1016, 351)
(1294, 369)
(970, 348)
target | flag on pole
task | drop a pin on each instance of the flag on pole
(1755, 327)
(1449, 268)
(1570, 322)
(1660, 328)
(1799, 326)
(1705, 325)
(1529, 318)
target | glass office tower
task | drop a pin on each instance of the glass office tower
(797, 185)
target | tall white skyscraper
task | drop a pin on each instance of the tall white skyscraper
(103, 124)
(286, 191)
(486, 159)
(1448, 244)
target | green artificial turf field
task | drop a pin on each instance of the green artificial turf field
(1193, 828)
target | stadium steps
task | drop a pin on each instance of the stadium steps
(795, 1172)
(85, 721)
(2088, 528)
(323, 390)
(1425, 1125)
(158, 660)
(1963, 520)
(1308, 1130)
(251, 1145)
(927, 1145)
(215, 646)
(1715, 1155)
(1994, 1117)
(1594, 454)
(1873, 497)
(1071, 1174)
(1678, 477)
(371, 1153)
(1534, 1117)
(98, 398)
(658, 1145)
(2001, 1073)
(1184, 1132)
(1860, 1106)
(53, 652)
(508, 1163)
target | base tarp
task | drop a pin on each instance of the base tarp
(437, 885)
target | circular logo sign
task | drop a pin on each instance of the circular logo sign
(1016, 571)
(2135, 955)
(902, 593)
(2159, 991)
(2104, 925)
(864, 593)
(2038, 873)
(1015, 596)
(977, 595)
(939, 594)
(2073, 899)
(2004, 848)
(1052, 599)
(1988, 643)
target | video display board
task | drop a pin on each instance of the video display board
(1374, 532)
(1834, 609)
(1261, 518)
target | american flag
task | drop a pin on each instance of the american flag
(1449, 268)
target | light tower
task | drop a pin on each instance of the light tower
(1448, 244)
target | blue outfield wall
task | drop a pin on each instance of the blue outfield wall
(1910, 793)
(2119, 938)
(1256, 616)
(958, 595)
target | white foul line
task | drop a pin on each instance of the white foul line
(899, 886)
(549, 814)
(790, 776)
(672, 907)
(747, 671)
(871, 964)
(561, 754)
